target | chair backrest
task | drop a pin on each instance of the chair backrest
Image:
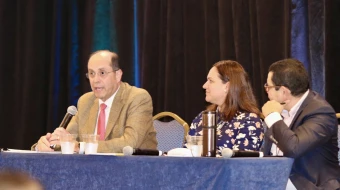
(337, 115)
(170, 134)
(339, 143)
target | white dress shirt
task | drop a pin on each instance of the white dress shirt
(108, 103)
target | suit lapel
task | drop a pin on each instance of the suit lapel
(267, 146)
(294, 122)
(267, 142)
(116, 107)
(91, 124)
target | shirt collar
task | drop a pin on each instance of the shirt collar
(109, 101)
(295, 108)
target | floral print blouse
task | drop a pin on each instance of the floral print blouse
(243, 132)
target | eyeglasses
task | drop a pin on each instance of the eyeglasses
(101, 74)
(267, 87)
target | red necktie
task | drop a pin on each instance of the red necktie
(101, 122)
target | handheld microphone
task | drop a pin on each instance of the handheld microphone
(71, 111)
(128, 151)
(228, 153)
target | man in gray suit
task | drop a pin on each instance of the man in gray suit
(128, 119)
(302, 125)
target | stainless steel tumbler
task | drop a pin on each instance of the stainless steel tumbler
(209, 133)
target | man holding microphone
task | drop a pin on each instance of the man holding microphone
(121, 114)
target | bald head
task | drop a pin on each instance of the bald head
(106, 55)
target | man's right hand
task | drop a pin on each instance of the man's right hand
(43, 144)
(271, 106)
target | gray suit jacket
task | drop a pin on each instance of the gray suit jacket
(129, 124)
(312, 140)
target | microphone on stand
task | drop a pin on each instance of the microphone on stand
(228, 153)
(71, 111)
(128, 151)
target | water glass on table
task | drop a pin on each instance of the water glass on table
(195, 144)
(67, 143)
(91, 143)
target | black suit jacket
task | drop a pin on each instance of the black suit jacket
(312, 140)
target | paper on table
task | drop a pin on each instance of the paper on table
(28, 151)
(57, 152)
(108, 154)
